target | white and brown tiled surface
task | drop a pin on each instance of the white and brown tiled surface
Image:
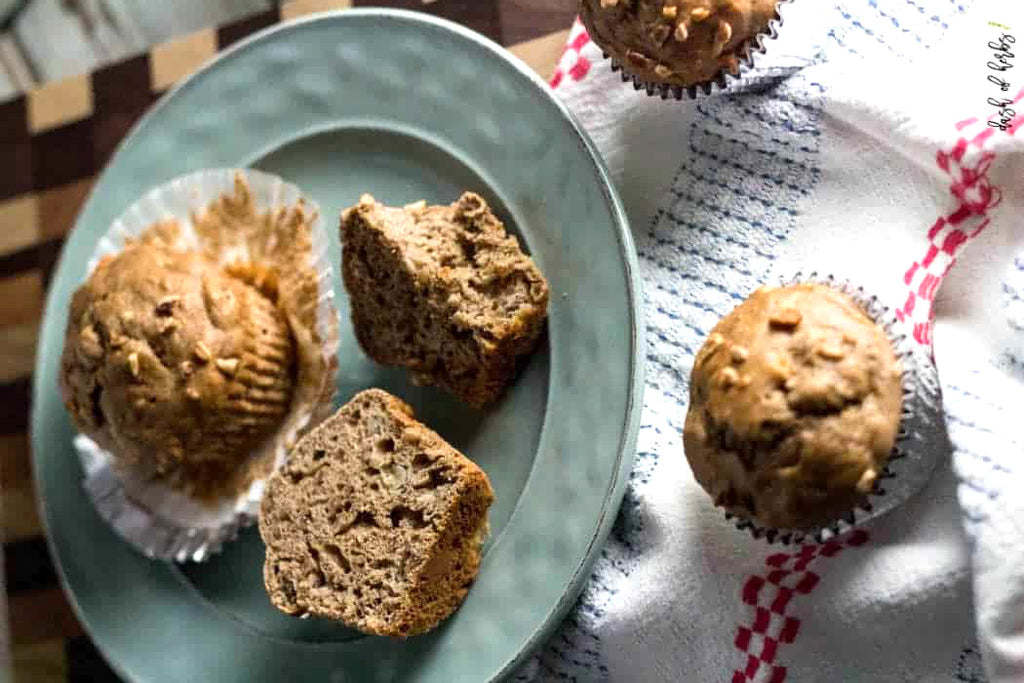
(53, 142)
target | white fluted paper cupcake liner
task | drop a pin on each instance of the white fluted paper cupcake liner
(162, 522)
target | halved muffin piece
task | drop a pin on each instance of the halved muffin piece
(375, 521)
(443, 291)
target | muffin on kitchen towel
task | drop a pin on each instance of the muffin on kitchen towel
(672, 47)
(855, 147)
(797, 399)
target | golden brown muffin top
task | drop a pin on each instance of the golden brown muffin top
(795, 403)
(679, 42)
(175, 364)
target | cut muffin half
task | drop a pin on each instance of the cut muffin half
(375, 521)
(443, 291)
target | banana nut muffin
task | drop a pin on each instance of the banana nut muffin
(795, 404)
(177, 366)
(442, 291)
(677, 42)
(375, 521)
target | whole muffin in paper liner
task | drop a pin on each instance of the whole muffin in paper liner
(797, 400)
(227, 354)
(176, 366)
(672, 47)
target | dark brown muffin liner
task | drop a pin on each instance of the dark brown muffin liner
(748, 53)
(919, 441)
(165, 523)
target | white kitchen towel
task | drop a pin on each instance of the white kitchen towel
(876, 142)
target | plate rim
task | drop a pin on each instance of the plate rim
(626, 452)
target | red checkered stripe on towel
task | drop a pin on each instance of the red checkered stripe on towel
(967, 162)
(573, 64)
(787, 575)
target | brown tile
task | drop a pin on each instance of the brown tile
(109, 131)
(18, 350)
(86, 664)
(122, 95)
(19, 261)
(172, 61)
(21, 299)
(42, 662)
(15, 149)
(28, 565)
(14, 120)
(243, 28)
(15, 398)
(37, 616)
(124, 85)
(529, 19)
(46, 255)
(15, 461)
(16, 160)
(59, 103)
(19, 223)
(482, 16)
(59, 207)
(63, 155)
(302, 8)
(19, 514)
(542, 54)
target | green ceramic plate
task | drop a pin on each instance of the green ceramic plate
(405, 107)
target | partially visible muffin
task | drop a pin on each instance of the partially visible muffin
(677, 42)
(795, 404)
(176, 366)
(375, 521)
(443, 291)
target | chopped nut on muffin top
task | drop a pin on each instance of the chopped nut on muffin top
(177, 366)
(679, 42)
(795, 403)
